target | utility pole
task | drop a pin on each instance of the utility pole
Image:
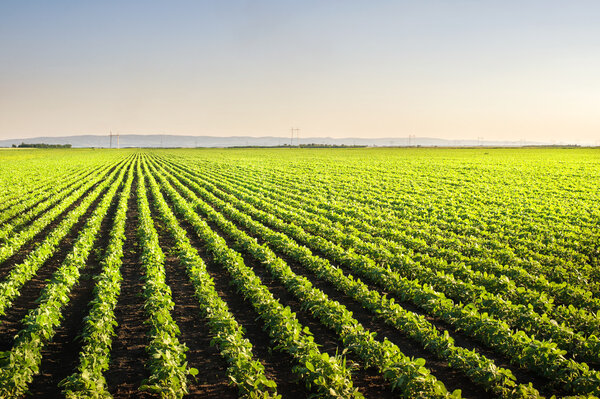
(118, 143)
(110, 135)
(297, 137)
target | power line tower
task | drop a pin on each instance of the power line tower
(297, 131)
(412, 140)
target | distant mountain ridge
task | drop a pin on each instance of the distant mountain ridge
(166, 140)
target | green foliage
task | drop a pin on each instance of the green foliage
(500, 245)
(40, 324)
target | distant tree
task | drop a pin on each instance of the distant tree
(44, 145)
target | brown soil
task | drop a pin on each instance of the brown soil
(278, 365)
(212, 380)
(60, 356)
(452, 379)
(43, 198)
(128, 355)
(10, 323)
(369, 382)
(31, 244)
(127, 370)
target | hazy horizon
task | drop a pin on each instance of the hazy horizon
(461, 70)
(282, 136)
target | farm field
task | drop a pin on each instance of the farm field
(222, 273)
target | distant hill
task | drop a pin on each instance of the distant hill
(137, 140)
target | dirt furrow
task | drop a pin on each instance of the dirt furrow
(211, 381)
(128, 355)
(453, 379)
(60, 356)
(10, 323)
(32, 243)
(278, 365)
(369, 381)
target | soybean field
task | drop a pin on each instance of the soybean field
(296, 272)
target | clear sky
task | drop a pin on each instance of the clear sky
(450, 69)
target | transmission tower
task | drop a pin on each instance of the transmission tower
(412, 140)
(297, 131)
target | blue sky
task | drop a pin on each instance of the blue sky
(451, 69)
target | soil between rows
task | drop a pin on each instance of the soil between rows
(60, 356)
(369, 382)
(183, 314)
(32, 243)
(453, 379)
(43, 198)
(212, 380)
(461, 339)
(128, 356)
(10, 323)
(278, 365)
(374, 384)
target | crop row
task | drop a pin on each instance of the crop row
(538, 355)
(420, 233)
(35, 204)
(480, 369)
(578, 318)
(15, 242)
(526, 244)
(88, 381)
(21, 363)
(517, 316)
(167, 362)
(28, 190)
(326, 375)
(247, 373)
(403, 373)
(23, 272)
